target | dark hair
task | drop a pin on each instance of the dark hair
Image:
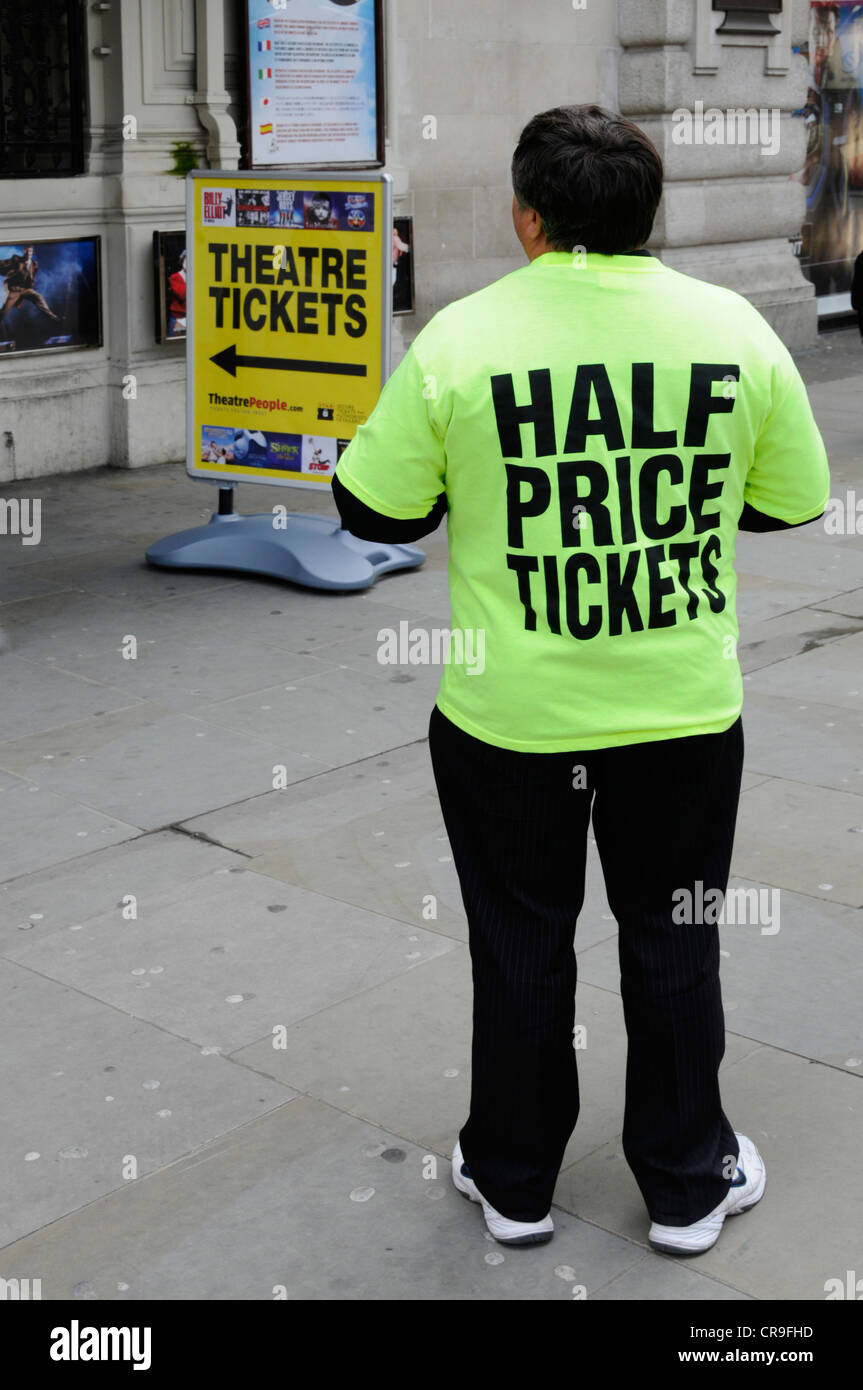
(594, 179)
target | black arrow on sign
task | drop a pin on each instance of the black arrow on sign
(229, 360)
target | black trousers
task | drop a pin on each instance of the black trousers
(663, 816)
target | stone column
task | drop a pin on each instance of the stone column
(729, 207)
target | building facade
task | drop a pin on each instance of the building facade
(137, 91)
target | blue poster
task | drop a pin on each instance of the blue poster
(49, 295)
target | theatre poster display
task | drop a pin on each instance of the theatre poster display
(49, 295)
(403, 266)
(832, 233)
(315, 83)
(169, 267)
(289, 305)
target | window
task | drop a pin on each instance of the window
(42, 62)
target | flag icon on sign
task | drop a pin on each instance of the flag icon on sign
(264, 45)
(263, 24)
(265, 72)
(265, 101)
(266, 129)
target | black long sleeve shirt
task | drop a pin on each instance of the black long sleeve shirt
(369, 525)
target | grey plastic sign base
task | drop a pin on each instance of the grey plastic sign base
(313, 551)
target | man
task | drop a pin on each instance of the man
(597, 426)
(20, 275)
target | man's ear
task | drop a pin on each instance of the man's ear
(535, 225)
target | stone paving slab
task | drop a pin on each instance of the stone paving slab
(801, 838)
(850, 604)
(155, 771)
(327, 800)
(39, 828)
(831, 675)
(84, 1087)
(793, 978)
(79, 739)
(228, 958)
(37, 699)
(656, 1279)
(180, 673)
(121, 571)
(267, 1212)
(331, 800)
(287, 618)
(72, 625)
(761, 596)
(100, 882)
(825, 560)
(334, 718)
(396, 862)
(399, 1056)
(67, 522)
(393, 858)
(771, 641)
(363, 654)
(805, 741)
(23, 585)
(399, 861)
(807, 1122)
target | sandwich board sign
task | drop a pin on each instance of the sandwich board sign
(289, 312)
(288, 305)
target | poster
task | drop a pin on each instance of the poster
(403, 266)
(50, 293)
(289, 299)
(315, 83)
(832, 233)
(169, 267)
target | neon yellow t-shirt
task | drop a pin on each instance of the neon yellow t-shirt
(597, 425)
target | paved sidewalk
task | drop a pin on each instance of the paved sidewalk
(235, 1049)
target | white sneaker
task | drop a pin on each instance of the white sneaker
(746, 1189)
(506, 1231)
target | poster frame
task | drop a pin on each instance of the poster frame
(160, 283)
(412, 305)
(305, 175)
(831, 302)
(380, 134)
(36, 241)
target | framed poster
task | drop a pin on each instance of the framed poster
(315, 83)
(169, 269)
(832, 233)
(51, 295)
(403, 266)
(289, 320)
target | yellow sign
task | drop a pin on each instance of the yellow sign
(289, 305)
